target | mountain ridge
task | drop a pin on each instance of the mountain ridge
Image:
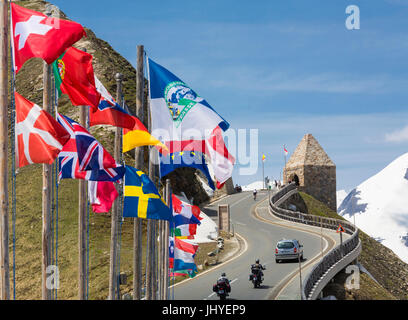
(379, 206)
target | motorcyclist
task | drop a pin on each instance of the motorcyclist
(224, 279)
(257, 268)
(254, 193)
(224, 284)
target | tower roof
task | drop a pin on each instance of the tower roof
(309, 152)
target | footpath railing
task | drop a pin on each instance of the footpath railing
(333, 261)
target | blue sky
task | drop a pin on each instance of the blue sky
(286, 68)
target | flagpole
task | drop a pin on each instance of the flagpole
(46, 191)
(166, 233)
(46, 194)
(82, 216)
(150, 250)
(82, 202)
(4, 244)
(113, 281)
(139, 161)
(284, 169)
(163, 227)
(263, 173)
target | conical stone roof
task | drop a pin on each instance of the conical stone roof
(309, 153)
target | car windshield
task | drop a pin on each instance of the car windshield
(285, 245)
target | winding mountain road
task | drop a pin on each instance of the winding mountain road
(259, 232)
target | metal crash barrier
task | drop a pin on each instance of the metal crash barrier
(333, 261)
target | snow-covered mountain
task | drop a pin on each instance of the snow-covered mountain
(379, 206)
(340, 195)
(258, 185)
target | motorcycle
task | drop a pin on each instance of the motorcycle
(256, 277)
(222, 289)
(254, 196)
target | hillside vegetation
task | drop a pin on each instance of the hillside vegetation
(382, 263)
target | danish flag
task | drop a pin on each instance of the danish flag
(36, 35)
(83, 157)
(39, 137)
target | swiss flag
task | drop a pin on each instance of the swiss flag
(39, 136)
(36, 35)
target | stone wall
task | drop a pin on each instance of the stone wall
(288, 174)
(320, 182)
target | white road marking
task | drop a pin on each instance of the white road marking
(234, 204)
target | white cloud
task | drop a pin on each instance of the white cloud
(400, 135)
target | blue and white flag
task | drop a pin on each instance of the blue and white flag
(178, 112)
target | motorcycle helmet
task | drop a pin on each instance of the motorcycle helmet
(257, 261)
(223, 274)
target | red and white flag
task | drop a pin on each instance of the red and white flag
(284, 150)
(39, 137)
(221, 160)
(36, 35)
(101, 195)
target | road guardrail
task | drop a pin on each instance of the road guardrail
(333, 261)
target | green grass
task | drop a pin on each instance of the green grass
(317, 208)
(29, 239)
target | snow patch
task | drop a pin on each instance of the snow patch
(258, 185)
(379, 206)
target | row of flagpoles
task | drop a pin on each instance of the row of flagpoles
(41, 139)
(285, 151)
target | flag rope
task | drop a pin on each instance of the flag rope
(87, 223)
(13, 157)
(87, 247)
(55, 100)
(14, 178)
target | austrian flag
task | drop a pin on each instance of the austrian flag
(39, 137)
(37, 36)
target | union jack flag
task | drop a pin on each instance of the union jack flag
(83, 157)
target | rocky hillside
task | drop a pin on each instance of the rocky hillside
(107, 62)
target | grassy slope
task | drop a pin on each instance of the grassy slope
(381, 262)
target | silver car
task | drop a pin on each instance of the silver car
(288, 249)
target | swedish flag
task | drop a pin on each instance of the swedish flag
(141, 198)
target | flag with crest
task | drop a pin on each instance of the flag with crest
(74, 76)
(188, 120)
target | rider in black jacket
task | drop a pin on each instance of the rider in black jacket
(257, 268)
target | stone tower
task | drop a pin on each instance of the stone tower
(313, 171)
